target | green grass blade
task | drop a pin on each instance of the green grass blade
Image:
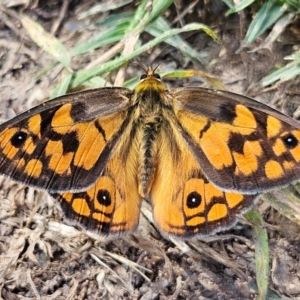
(62, 87)
(103, 7)
(238, 7)
(214, 82)
(123, 18)
(286, 202)
(278, 29)
(84, 75)
(229, 3)
(47, 42)
(262, 259)
(271, 295)
(284, 74)
(268, 14)
(144, 15)
(294, 4)
(106, 37)
(160, 25)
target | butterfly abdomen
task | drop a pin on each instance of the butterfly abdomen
(150, 120)
(148, 155)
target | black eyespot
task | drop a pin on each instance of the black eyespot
(144, 76)
(290, 141)
(156, 76)
(193, 200)
(18, 139)
(104, 197)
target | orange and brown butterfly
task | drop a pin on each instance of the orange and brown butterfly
(200, 156)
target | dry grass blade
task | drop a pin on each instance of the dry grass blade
(47, 42)
(103, 264)
(131, 264)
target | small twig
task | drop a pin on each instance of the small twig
(61, 17)
(189, 8)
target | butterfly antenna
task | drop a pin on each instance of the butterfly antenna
(142, 65)
(156, 67)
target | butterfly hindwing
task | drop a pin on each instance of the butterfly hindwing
(185, 203)
(241, 144)
(64, 144)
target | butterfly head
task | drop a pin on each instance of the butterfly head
(150, 80)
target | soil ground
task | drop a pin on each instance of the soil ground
(44, 257)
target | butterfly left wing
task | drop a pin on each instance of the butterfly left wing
(110, 207)
(241, 144)
(65, 143)
(185, 203)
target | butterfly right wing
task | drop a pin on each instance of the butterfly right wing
(110, 207)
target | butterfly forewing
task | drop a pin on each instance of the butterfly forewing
(239, 146)
(63, 145)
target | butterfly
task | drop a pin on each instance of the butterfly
(200, 156)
